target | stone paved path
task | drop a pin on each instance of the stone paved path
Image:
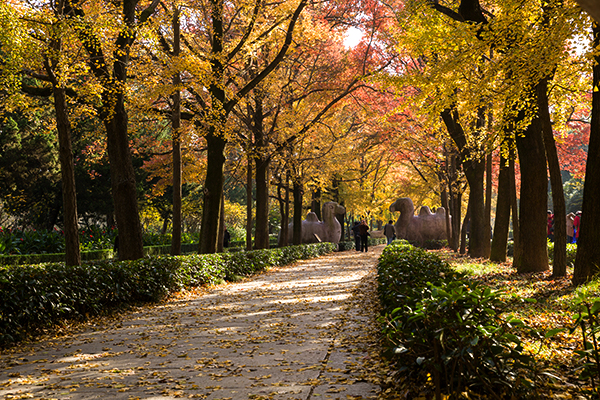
(296, 332)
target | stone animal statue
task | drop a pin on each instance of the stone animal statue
(328, 230)
(419, 228)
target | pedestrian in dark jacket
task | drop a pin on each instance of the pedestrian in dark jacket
(356, 236)
(363, 230)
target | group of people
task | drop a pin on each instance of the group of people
(573, 222)
(361, 234)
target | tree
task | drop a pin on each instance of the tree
(110, 72)
(587, 260)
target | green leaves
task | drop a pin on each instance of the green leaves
(444, 328)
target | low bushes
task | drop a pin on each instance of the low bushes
(33, 297)
(446, 330)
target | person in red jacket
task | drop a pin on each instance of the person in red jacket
(576, 223)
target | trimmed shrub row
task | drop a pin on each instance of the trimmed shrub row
(447, 332)
(105, 254)
(33, 297)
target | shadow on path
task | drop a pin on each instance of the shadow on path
(304, 331)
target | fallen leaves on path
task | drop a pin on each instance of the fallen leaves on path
(304, 331)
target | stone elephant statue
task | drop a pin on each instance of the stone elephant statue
(328, 230)
(419, 228)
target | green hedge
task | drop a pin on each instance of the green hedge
(105, 254)
(447, 332)
(33, 297)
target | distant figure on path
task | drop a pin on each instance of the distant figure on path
(389, 231)
(570, 228)
(226, 238)
(576, 223)
(363, 229)
(356, 236)
(550, 226)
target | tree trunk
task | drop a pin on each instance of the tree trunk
(65, 156)
(474, 169)
(587, 260)
(315, 205)
(221, 226)
(67, 171)
(532, 254)
(465, 226)
(213, 190)
(297, 234)
(514, 206)
(559, 263)
(261, 240)
(176, 126)
(502, 221)
(488, 205)
(249, 203)
(123, 184)
(282, 199)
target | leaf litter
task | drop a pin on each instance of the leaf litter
(308, 330)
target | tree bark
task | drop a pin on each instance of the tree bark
(463, 231)
(249, 203)
(67, 171)
(213, 190)
(474, 169)
(587, 260)
(559, 263)
(261, 239)
(532, 254)
(65, 156)
(176, 126)
(315, 205)
(514, 205)
(502, 221)
(488, 205)
(297, 233)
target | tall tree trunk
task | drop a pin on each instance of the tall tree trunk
(474, 169)
(297, 234)
(454, 200)
(488, 204)
(514, 205)
(65, 156)
(532, 254)
(587, 260)
(67, 171)
(283, 198)
(502, 221)
(249, 203)
(123, 185)
(261, 240)
(213, 190)
(465, 226)
(559, 263)
(221, 226)
(176, 126)
(315, 205)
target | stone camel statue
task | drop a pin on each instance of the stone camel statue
(328, 230)
(419, 228)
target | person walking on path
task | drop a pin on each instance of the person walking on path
(576, 223)
(356, 236)
(550, 226)
(389, 231)
(363, 229)
(570, 229)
